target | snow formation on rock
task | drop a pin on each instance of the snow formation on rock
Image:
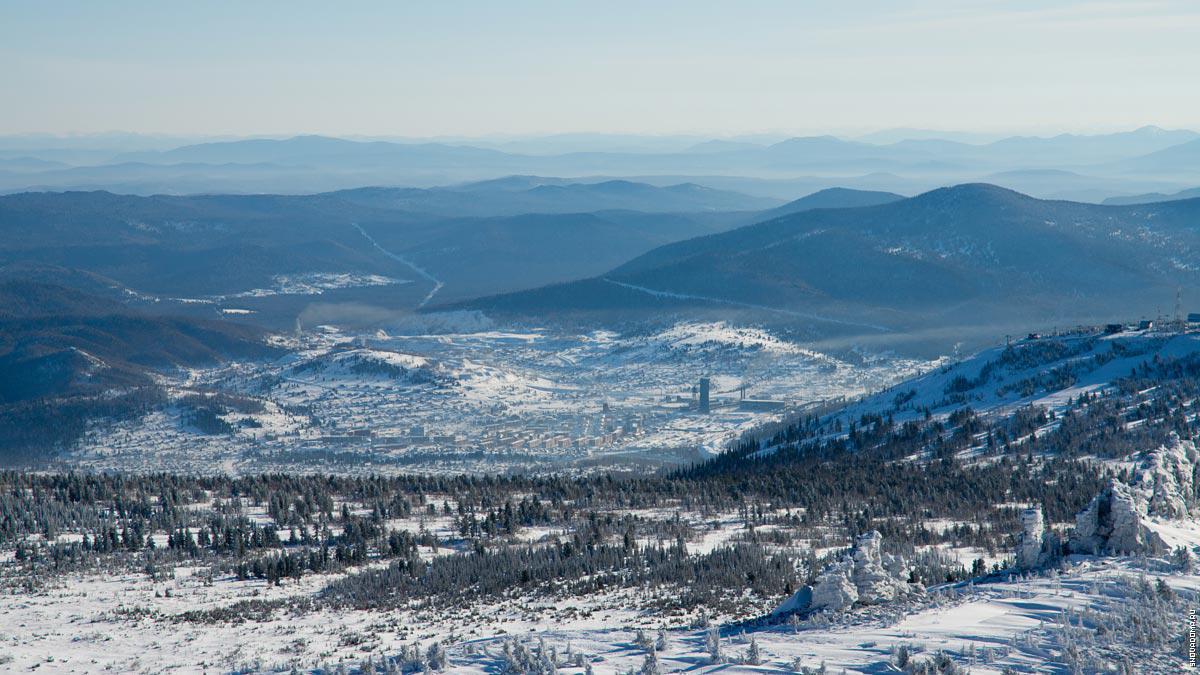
(872, 577)
(1163, 485)
(1033, 546)
(834, 588)
(1167, 476)
(866, 576)
(1114, 523)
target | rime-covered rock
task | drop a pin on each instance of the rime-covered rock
(1113, 523)
(866, 576)
(874, 582)
(1032, 549)
(1163, 485)
(835, 590)
(896, 566)
(1166, 477)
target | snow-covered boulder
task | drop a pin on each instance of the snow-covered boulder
(874, 582)
(800, 601)
(866, 576)
(835, 590)
(1114, 523)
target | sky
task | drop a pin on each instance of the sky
(458, 68)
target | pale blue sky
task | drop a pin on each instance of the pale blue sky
(473, 68)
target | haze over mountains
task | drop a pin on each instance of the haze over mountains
(506, 235)
(973, 259)
(105, 288)
(1082, 167)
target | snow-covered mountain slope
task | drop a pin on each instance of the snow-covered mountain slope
(1049, 371)
(696, 338)
(1039, 501)
(1099, 615)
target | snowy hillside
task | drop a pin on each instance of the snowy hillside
(1046, 371)
(365, 363)
(1032, 509)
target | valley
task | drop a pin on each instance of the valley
(472, 397)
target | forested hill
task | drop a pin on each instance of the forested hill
(67, 356)
(831, 198)
(57, 341)
(972, 256)
(201, 246)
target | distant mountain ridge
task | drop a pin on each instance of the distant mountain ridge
(530, 194)
(832, 198)
(322, 163)
(1183, 157)
(305, 149)
(1150, 198)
